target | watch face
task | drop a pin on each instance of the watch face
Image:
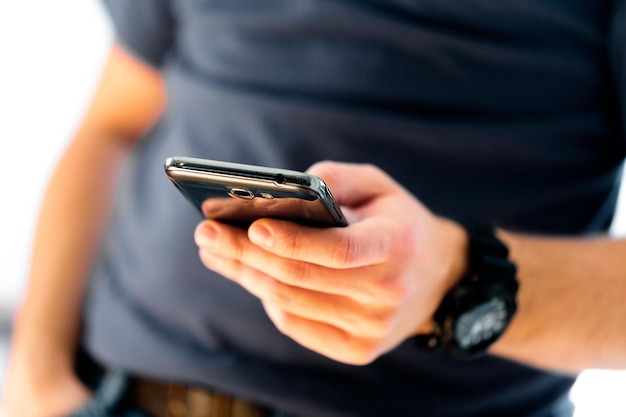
(483, 323)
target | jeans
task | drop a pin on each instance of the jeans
(108, 399)
(109, 390)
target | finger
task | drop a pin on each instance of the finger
(232, 243)
(353, 184)
(325, 339)
(221, 238)
(360, 244)
(338, 311)
(252, 280)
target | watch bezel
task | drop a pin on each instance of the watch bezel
(491, 276)
(462, 300)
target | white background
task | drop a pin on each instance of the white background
(50, 53)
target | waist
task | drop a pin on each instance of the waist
(119, 392)
(162, 399)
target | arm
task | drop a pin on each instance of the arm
(74, 212)
(572, 303)
(353, 294)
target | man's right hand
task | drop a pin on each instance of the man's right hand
(56, 394)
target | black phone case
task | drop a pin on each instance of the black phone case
(239, 193)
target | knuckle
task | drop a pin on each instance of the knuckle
(393, 292)
(374, 171)
(402, 236)
(295, 271)
(295, 244)
(324, 169)
(380, 326)
(373, 168)
(364, 351)
(347, 253)
(236, 247)
(361, 349)
(280, 295)
(278, 317)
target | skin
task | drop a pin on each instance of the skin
(40, 380)
(354, 293)
(351, 294)
(347, 293)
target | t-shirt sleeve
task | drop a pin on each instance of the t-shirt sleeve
(143, 27)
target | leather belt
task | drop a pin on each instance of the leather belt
(176, 400)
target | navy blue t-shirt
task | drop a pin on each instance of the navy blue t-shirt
(510, 112)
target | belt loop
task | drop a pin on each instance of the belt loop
(199, 403)
(221, 405)
(176, 401)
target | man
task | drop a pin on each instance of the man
(506, 115)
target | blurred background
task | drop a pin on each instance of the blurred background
(50, 55)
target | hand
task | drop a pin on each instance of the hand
(350, 293)
(29, 393)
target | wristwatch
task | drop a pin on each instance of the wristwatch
(477, 311)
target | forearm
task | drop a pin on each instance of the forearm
(73, 215)
(572, 303)
(128, 99)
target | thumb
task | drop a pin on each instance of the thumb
(353, 185)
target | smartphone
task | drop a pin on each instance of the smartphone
(239, 193)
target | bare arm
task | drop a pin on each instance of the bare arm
(355, 293)
(75, 209)
(572, 303)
